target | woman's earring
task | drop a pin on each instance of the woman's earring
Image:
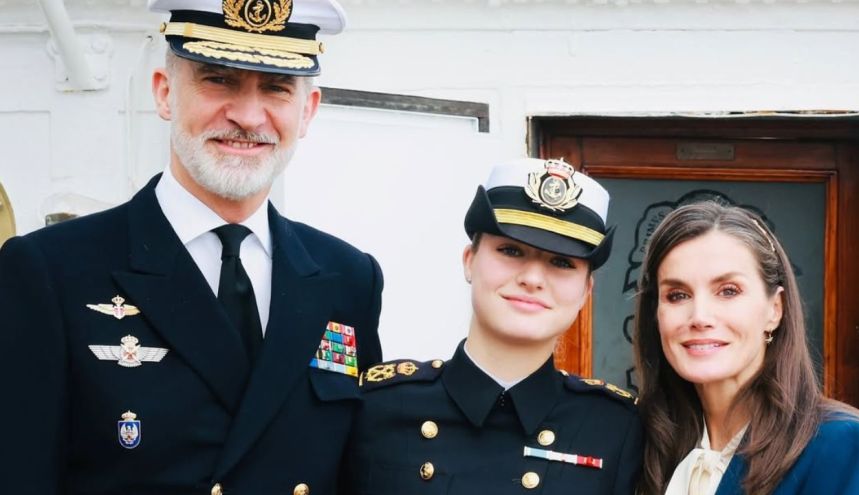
(769, 337)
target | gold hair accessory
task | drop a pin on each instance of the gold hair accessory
(764, 232)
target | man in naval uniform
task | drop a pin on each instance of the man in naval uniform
(498, 418)
(193, 340)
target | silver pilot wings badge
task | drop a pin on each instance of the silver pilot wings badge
(130, 354)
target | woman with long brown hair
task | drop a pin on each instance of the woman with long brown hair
(729, 396)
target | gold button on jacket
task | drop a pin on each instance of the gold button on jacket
(530, 480)
(546, 438)
(427, 471)
(429, 429)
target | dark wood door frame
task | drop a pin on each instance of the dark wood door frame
(826, 150)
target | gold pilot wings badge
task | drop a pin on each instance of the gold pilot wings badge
(129, 354)
(118, 309)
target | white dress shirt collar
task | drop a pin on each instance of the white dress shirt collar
(505, 384)
(193, 222)
(191, 218)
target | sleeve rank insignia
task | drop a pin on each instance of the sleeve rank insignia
(399, 371)
(608, 386)
(382, 372)
(118, 309)
(593, 384)
(129, 354)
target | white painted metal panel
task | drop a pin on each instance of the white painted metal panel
(397, 186)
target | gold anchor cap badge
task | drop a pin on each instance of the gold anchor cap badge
(257, 16)
(553, 187)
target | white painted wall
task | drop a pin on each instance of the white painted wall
(397, 185)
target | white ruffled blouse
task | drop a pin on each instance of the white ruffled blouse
(700, 472)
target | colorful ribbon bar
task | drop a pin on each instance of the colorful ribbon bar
(337, 351)
(578, 460)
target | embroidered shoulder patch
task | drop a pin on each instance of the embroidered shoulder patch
(592, 384)
(399, 371)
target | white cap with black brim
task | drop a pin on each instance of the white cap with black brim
(545, 204)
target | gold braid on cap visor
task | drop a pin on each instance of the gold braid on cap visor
(551, 224)
(250, 40)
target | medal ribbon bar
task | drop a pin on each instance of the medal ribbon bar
(578, 460)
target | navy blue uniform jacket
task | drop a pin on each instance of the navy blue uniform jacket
(206, 415)
(481, 432)
(829, 465)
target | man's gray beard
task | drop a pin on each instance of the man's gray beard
(229, 176)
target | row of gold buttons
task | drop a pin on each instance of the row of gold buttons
(530, 480)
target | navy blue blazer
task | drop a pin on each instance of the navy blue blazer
(829, 465)
(205, 414)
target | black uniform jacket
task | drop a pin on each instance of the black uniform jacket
(205, 414)
(448, 428)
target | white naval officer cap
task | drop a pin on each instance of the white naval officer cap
(546, 204)
(277, 36)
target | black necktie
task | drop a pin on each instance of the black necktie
(235, 290)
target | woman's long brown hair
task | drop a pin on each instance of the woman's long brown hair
(783, 399)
